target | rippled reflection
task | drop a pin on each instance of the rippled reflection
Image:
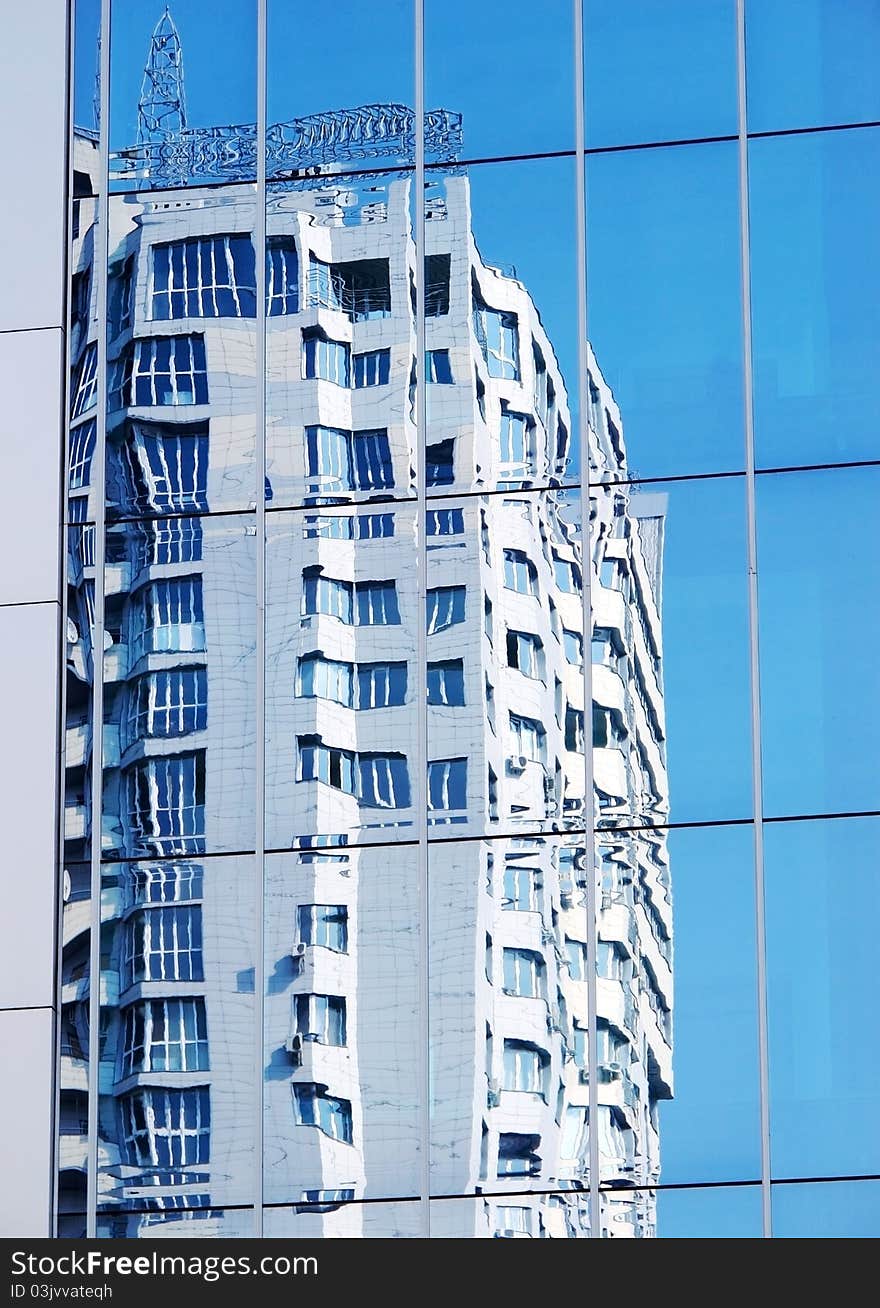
(536, 653)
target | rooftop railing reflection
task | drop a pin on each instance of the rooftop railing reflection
(296, 150)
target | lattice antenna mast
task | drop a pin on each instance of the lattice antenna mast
(162, 106)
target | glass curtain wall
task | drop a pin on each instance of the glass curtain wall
(453, 801)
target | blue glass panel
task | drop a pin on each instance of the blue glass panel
(818, 566)
(664, 308)
(835, 1210)
(710, 1213)
(823, 996)
(811, 63)
(659, 72)
(512, 79)
(815, 287)
(708, 1124)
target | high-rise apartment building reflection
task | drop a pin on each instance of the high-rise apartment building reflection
(507, 778)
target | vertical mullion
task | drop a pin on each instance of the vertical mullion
(260, 714)
(421, 738)
(754, 663)
(64, 543)
(100, 256)
(587, 621)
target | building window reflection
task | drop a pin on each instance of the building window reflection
(168, 540)
(348, 460)
(440, 463)
(168, 617)
(376, 780)
(82, 447)
(169, 370)
(323, 924)
(326, 679)
(521, 886)
(520, 573)
(381, 685)
(525, 652)
(166, 804)
(164, 944)
(524, 973)
(121, 296)
(325, 358)
(166, 470)
(497, 333)
(168, 703)
(446, 682)
(363, 603)
(444, 522)
(517, 1154)
(204, 277)
(446, 607)
(528, 741)
(371, 368)
(438, 368)
(320, 1018)
(362, 685)
(85, 390)
(384, 780)
(361, 289)
(447, 784)
(314, 1107)
(165, 1035)
(517, 452)
(282, 277)
(167, 1128)
(525, 1067)
(164, 883)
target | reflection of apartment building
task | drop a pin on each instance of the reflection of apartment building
(504, 777)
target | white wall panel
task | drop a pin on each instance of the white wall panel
(26, 1036)
(33, 99)
(31, 440)
(29, 709)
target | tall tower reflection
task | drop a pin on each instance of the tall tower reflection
(508, 728)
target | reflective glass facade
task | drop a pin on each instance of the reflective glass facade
(469, 447)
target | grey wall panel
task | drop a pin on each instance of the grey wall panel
(26, 1108)
(32, 220)
(30, 434)
(29, 705)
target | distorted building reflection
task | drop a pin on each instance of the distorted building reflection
(508, 777)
